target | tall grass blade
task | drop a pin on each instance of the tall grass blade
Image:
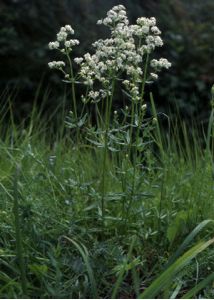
(18, 235)
(84, 253)
(190, 294)
(166, 278)
(187, 241)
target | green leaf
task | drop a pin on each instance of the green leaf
(176, 226)
(38, 269)
(166, 278)
(85, 256)
(188, 240)
(198, 287)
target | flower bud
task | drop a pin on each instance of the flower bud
(143, 107)
(154, 121)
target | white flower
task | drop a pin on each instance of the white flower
(114, 16)
(71, 43)
(145, 29)
(154, 76)
(154, 41)
(67, 44)
(74, 42)
(51, 65)
(126, 82)
(150, 39)
(158, 41)
(93, 95)
(152, 21)
(53, 45)
(155, 30)
(142, 21)
(154, 121)
(61, 36)
(56, 64)
(69, 29)
(78, 60)
(162, 63)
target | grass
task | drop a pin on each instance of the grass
(55, 241)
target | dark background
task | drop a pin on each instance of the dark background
(27, 26)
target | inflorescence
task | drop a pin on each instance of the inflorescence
(124, 54)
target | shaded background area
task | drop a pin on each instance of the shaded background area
(26, 27)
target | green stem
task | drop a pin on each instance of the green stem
(107, 125)
(72, 84)
(144, 78)
(140, 113)
(73, 95)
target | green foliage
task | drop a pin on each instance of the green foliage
(67, 251)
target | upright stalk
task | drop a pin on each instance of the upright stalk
(72, 85)
(140, 111)
(73, 94)
(131, 129)
(140, 115)
(105, 151)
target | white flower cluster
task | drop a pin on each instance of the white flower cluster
(161, 63)
(116, 15)
(78, 60)
(147, 30)
(56, 65)
(63, 44)
(154, 76)
(122, 53)
(53, 45)
(95, 96)
(71, 43)
(62, 38)
(64, 32)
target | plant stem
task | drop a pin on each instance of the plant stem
(140, 114)
(107, 124)
(72, 85)
(73, 95)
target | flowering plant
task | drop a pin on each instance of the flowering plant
(123, 60)
(125, 53)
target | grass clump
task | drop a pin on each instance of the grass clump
(69, 249)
